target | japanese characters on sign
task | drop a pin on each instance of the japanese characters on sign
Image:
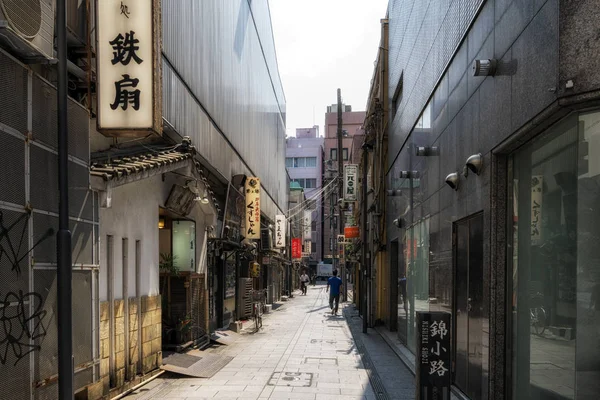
(537, 184)
(306, 224)
(252, 192)
(280, 231)
(296, 248)
(350, 184)
(433, 355)
(127, 89)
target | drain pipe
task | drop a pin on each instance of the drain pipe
(139, 385)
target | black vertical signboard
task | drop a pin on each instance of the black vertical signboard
(433, 356)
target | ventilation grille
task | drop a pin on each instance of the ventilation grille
(12, 165)
(25, 16)
(13, 102)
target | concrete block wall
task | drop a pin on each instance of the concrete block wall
(151, 333)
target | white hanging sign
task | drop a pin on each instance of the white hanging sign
(280, 231)
(128, 103)
(306, 225)
(350, 184)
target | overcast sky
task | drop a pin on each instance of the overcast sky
(323, 45)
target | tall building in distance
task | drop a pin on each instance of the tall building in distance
(352, 125)
(304, 162)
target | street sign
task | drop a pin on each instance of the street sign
(341, 239)
(350, 186)
(433, 355)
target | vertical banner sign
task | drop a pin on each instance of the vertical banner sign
(350, 174)
(129, 92)
(296, 248)
(306, 225)
(252, 191)
(433, 356)
(307, 248)
(280, 231)
(537, 183)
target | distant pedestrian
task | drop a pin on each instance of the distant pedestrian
(304, 279)
(334, 296)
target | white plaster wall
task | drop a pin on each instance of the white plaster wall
(133, 215)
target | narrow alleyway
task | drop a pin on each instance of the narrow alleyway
(303, 352)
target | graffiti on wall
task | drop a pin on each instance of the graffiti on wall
(21, 314)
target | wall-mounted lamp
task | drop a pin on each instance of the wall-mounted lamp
(426, 151)
(484, 67)
(475, 163)
(452, 180)
(161, 222)
(397, 222)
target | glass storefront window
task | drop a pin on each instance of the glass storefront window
(413, 282)
(554, 319)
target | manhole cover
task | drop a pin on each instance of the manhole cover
(292, 379)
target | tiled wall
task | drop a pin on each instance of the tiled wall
(150, 344)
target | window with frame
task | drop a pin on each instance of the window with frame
(311, 183)
(289, 162)
(311, 162)
(333, 154)
(299, 162)
(345, 154)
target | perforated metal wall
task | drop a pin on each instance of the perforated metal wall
(28, 334)
(12, 165)
(13, 102)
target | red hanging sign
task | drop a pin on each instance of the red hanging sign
(296, 248)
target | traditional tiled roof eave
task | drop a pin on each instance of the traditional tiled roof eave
(123, 170)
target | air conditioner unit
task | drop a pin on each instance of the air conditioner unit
(266, 239)
(27, 28)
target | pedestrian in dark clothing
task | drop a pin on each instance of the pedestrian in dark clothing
(334, 296)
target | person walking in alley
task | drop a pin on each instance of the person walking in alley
(336, 284)
(304, 279)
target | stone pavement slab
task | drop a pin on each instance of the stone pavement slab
(302, 352)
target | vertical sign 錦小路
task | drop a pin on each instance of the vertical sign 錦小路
(433, 355)
(306, 225)
(296, 248)
(252, 192)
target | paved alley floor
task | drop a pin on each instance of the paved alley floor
(302, 352)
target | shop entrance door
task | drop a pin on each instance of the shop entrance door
(468, 305)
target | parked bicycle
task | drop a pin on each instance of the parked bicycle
(258, 307)
(538, 315)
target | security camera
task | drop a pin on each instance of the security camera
(452, 180)
(475, 163)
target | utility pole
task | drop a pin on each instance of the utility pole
(341, 188)
(63, 239)
(365, 269)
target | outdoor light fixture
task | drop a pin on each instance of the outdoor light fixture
(452, 180)
(484, 67)
(161, 222)
(397, 222)
(475, 163)
(426, 151)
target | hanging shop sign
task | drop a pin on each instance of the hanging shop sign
(129, 70)
(351, 232)
(350, 186)
(307, 248)
(280, 231)
(296, 248)
(537, 184)
(341, 239)
(433, 355)
(252, 192)
(306, 224)
(255, 269)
